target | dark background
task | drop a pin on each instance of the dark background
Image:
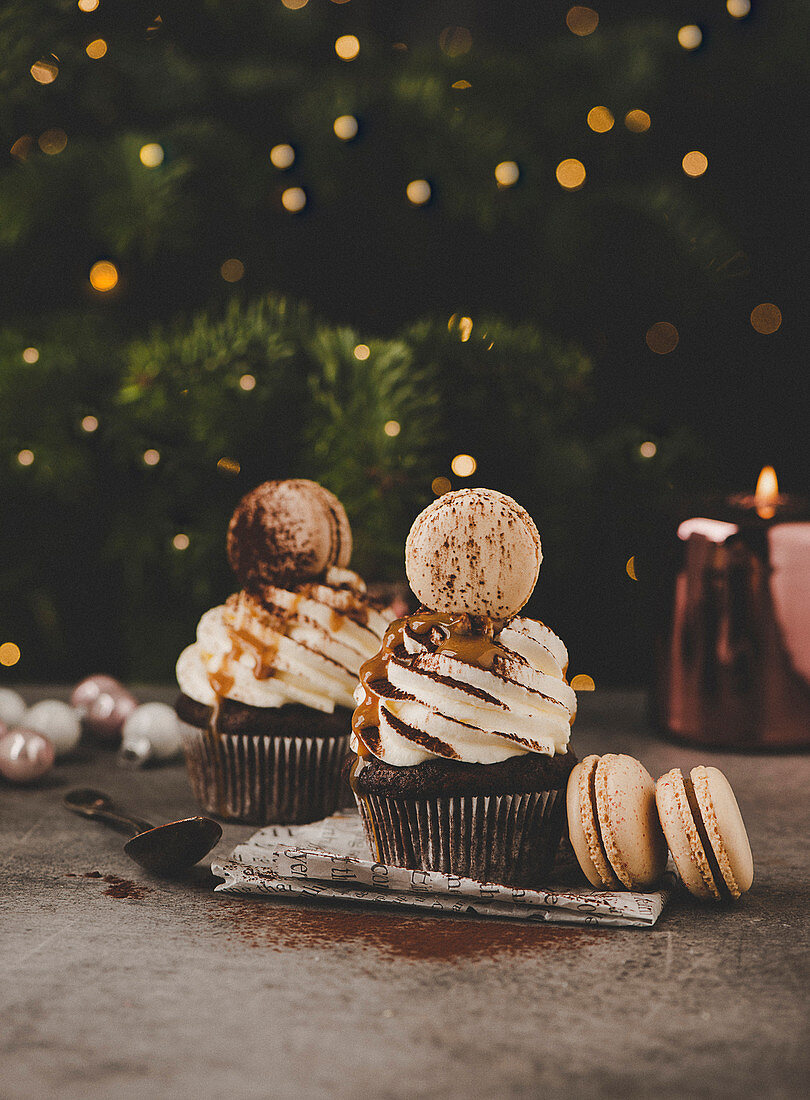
(554, 391)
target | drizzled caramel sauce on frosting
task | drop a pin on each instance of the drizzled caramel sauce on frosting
(469, 638)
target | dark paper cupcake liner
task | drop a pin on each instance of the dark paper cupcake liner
(510, 839)
(265, 780)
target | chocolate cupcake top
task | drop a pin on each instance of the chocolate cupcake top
(302, 625)
(465, 678)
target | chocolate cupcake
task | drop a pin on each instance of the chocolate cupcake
(266, 689)
(461, 731)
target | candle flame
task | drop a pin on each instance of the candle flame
(767, 492)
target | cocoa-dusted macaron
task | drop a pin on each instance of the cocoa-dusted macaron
(287, 532)
(706, 833)
(475, 551)
(613, 823)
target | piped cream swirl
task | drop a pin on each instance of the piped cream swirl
(444, 687)
(293, 646)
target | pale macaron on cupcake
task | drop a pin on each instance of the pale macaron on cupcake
(706, 833)
(613, 823)
(464, 715)
(266, 689)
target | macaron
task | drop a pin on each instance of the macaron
(475, 551)
(286, 533)
(613, 823)
(705, 832)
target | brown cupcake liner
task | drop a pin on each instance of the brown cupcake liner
(510, 839)
(265, 780)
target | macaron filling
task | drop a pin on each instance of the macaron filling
(719, 879)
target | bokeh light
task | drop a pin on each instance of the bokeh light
(455, 41)
(22, 148)
(347, 47)
(637, 121)
(31, 355)
(738, 8)
(229, 466)
(630, 568)
(53, 142)
(570, 174)
(461, 85)
(600, 120)
(151, 155)
(440, 486)
(418, 192)
(103, 276)
(180, 541)
(690, 36)
(247, 383)
(581, 21)
(151, 457)
(25, 457)
(232, 270)
(294, 199)
(464, 465)
(766, 318)
(88, 5)
(695, 163)
(345, 127)
(662, 337)
(507, 173)
(648, 449)
(583, 682)
(295, 5)
(44, 71)
(465, 327)
(9, 654)
(89, 423)
(282, 156)
(362, 352)
(392, 428)
(96, 49)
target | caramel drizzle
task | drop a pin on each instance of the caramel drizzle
(470, 639)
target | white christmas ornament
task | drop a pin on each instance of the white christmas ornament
(59, 722)
(12, 707)
(151, 733)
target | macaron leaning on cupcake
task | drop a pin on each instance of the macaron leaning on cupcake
(461, 732)
(266, 689)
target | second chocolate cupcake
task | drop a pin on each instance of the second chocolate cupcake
(463, 719)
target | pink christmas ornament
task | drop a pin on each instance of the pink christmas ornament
(104, 705)
(25, 755)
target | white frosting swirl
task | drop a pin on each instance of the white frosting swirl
(304, 646)
(433, 693)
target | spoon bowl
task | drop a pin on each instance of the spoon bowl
(162, 849)
(175, 846)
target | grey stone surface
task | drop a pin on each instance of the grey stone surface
(180, 992)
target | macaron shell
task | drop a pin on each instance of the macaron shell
(476, 551)
(583, 828)
(724, 827)
(628, 820)
(682, 836)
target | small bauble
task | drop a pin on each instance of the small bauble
(287, 532)
(474, 551)
(104, 705)
(25, 755)
(150, 733)
(59, 722)
(12, 707)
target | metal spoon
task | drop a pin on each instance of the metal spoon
(164, 849)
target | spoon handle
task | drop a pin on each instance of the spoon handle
(105, 810)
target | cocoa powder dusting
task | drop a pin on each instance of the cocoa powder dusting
(117, 887)
(282, 927)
